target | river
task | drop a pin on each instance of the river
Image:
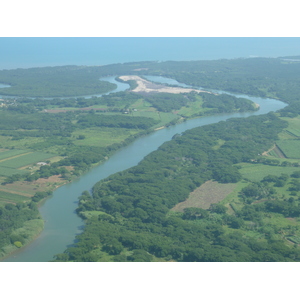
(61, 221)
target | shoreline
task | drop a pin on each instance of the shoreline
(32, 239)
(145, 86)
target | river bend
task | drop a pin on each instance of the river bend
(61, 221)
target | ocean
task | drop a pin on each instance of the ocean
(23, 52)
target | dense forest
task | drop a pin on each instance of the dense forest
(53, 82)
(273, 77)
(134, 205)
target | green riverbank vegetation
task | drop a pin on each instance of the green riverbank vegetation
(129, 215)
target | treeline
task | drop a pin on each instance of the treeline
(262, 77)
(58, 127)
(167, 102)
(119, 99)
(53, 82)
(13, 217)
(93, 120)
(222, 103)
(134, 205)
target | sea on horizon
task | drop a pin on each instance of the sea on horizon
(27, 52)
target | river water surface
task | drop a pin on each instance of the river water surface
(61, 221)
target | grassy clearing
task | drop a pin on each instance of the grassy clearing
(294, 126)
(220, 143)
(141, 105)
(11, 153)
(102, 137)
(274, 153)
(280, 223)
(12, 197)
(256, 172)
(290, 148)
(25, 160)
(8, 142)
(284, 191)
(208, 193)
(5, 171)
(193, 108)
(233, 196)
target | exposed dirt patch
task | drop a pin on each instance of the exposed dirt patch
(208, 193)
(28, 189)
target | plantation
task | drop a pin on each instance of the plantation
(10, 197)
(294, 126)
(6, 171)
(256, 172)
(11, 153)
(290, 148)
(102, 137)
(25, 160)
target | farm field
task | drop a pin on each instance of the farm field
(8, 142)
(12, 198)
(5, 171)
(275, 152)
(25, 159)
(294, 126)
(208, 193)
(28, 189)
(256, 172)
(290, 148)
(102, 137)
(11, 153)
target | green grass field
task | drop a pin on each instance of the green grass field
(8, 142)
(274, 153)
(294, 126)
(5, 171)
(10, 153)
(193, 108)
(9, 197)
(102, 137)
(256, 172)
(25, 160)
(290, 148)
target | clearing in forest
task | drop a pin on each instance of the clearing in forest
(208, 193)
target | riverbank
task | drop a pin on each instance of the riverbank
(59, 210)
(32, 228)
(145, 86)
